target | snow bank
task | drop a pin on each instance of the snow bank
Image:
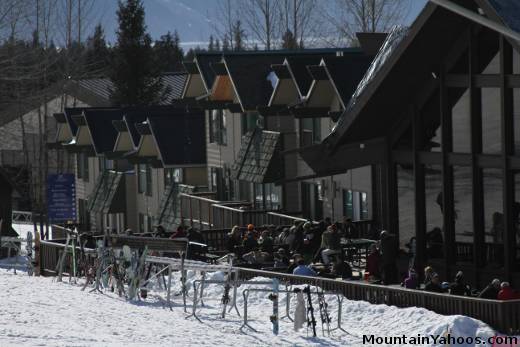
(39, 311)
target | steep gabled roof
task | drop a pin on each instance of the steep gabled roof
(179, 138)
(102, 131)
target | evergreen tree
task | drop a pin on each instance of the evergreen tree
(217, 45)
(225, 44)
(238, 36)
(134, 71)
(289, 41)
(97, 53)
(211, 45)
(168, 52)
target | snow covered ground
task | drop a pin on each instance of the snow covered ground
(37, 311)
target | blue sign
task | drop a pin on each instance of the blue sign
(61, 198)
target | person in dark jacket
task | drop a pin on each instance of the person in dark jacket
(266, 242)
(234, 239)
(330, 244)
(374, 263)
(195, 236)
(250, 242)
(389, 251)
(459, 287)
(434, 285)
(296, 239)
(179, 233)
(491, 290)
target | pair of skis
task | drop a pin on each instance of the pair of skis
(311, 321)
(324, 313)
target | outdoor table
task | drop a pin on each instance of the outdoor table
(359, 245)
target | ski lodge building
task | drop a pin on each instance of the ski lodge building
(412, 131)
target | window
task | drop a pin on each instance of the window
(172, 175)
(310, 131)
(82, 166)
(348, 204)
(141, 222)
(105, 164)
(141, 178)
(148, 180)
(363, 206)
(273, 196)
(217, 127)
(249, 121)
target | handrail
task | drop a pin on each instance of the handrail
(281, 215)
(198, 198)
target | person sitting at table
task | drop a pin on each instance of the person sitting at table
(434, 285)
(281, 237)
(303, 270)
(280, 258)
(294, 262)
(234, 239)
(428, 273)
(296, 239)
(266, 242)
(249, 242)
(341, 268)
(411, 282)
(373, 265)
(180, 232)
(507, 293)
(160, 232)
(389, 255)
(330, 243)
(459, 287)
(491, 290)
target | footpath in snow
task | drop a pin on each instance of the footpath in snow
(37, 311)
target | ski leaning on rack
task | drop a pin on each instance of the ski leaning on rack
(311, 321)
(324, 314)
(274, 298)
(227, 287)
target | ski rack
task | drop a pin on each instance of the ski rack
(235, 284)
(245, 293)
(184, 265)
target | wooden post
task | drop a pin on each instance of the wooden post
(475, 106)
(508, 189)
(448, 207)
(419, 188)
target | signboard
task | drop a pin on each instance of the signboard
(61, 198)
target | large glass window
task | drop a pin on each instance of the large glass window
(310, 131)
(172, 175)
(516, 119)
(406, 204)
(348, 204)
(463, 214)
(82, 166)
(435, 236)
(461, 121)
(491, 132)
(363, 206)
(249, 121)
(493, 215)
(141, 178)
(148, 180)
(217, 127)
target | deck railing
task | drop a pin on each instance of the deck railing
(50, 253)
(504, 316)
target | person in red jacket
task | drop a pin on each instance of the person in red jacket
(507, 293)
